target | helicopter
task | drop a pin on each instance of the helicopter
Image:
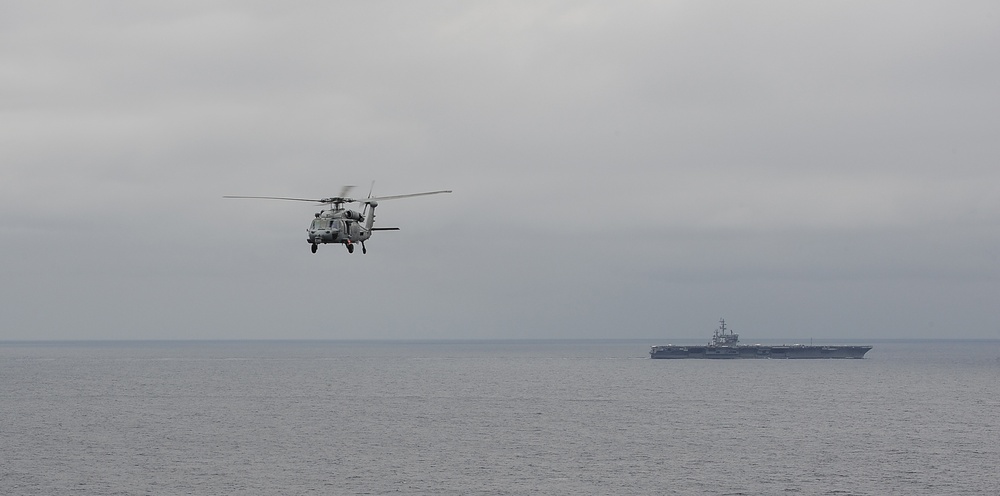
(340, 225)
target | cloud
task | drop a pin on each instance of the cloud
(620, 170)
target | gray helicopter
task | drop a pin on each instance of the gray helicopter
(340, 225)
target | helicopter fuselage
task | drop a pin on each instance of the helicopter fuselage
(339, 226)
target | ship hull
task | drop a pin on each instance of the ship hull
(758, 351)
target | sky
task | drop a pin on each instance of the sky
(621, 170)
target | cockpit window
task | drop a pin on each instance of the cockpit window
(324, 224)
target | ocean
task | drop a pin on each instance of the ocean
(493, 418)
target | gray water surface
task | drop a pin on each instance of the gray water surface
(551, 417)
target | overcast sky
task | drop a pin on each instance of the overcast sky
(620, 169)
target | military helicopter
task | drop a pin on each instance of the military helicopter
(340, 225)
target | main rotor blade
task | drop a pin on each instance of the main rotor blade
(341, 199)
(276, 198)
(393, 197)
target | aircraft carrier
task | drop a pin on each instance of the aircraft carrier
(726, 345)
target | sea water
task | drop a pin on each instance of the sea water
(545, 417)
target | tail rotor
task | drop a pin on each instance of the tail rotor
(365, 210)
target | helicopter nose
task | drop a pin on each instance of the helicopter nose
(323, 235)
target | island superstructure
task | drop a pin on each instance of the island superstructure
(726, 345)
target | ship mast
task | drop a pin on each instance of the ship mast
(720, 338)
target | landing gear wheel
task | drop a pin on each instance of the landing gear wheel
(314, 247)
(350, 248)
